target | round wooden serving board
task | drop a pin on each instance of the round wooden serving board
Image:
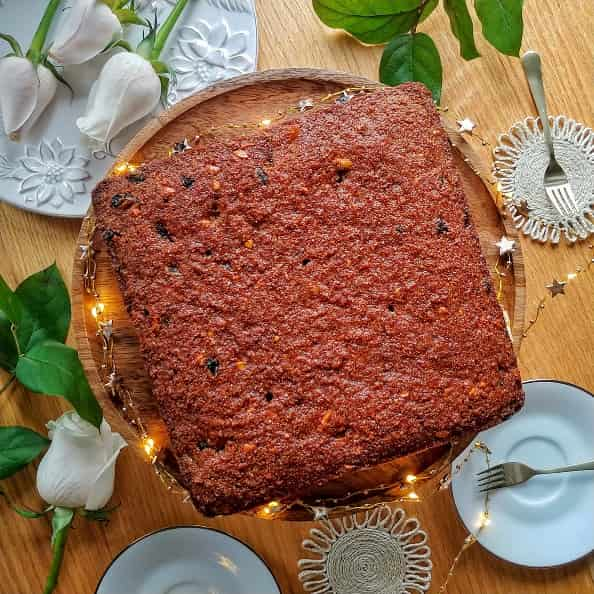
(248, 100)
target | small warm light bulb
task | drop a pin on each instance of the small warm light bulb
(149, 444)
(265, 122)
(97, 310)
(413, 495)
(273, 506)
(411, 478)
(124, 168)
(266, 511)
(484, 520)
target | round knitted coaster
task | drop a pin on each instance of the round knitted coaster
(521, 159)
(379, 552)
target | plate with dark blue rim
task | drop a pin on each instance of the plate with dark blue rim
(187, 560)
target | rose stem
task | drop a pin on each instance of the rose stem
(59, 544)
(166, 28)
(34, 53)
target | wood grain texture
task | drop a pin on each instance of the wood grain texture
(238, 102)
(491, 91)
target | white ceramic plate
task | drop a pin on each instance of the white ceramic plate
(187, 560)
(214, 39)
(549, 520)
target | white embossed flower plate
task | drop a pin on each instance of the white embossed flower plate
(52, 170)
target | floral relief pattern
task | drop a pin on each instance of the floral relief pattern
(205, 54)
(51, 173)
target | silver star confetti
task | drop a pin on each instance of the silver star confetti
(84, 251)
(557, 288)
(320, 513)
(180, 147)
(305, 104)
(465, 125)
(506, 245)
(113, 383)
(344, 97)
(106, 329)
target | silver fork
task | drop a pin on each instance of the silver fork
(556, 184)
(509, 474)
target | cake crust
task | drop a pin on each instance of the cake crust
(310, 299)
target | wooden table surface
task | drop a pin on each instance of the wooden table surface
(492, 92)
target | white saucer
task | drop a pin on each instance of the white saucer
(187, 560)
(549, 520)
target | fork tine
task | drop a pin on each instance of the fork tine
(563, 199)
(493, 486)
(489, 470)
(567, 191)
(491, 479)
(553, 200)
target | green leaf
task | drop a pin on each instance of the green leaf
(45, 295)
(54, 70)
(8, 350)
(429, 8)
(370, 22)
(61, 520)
(98, 515)
(25, 512)
(14, 44)
(129, 17)
(461, 25)
(53, 368)
(27, 329)
(412, 57)
(29, 514)
(502, 24)
(18, 447)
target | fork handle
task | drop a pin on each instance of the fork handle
(574, 468)
(533, 71)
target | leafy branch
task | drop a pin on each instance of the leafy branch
(413, 56)
(34, 321)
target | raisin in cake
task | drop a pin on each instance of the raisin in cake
(310, 298)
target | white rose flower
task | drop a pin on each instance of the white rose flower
(89, 27)
(127, 89)
(26, 90)
(78, 470)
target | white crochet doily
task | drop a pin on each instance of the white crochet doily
(521, 159)
(380, 552)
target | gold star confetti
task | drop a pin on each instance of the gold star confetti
(465, 125)
(506, 245)
(557, 288)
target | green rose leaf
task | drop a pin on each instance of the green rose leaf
(53, 368)
(370, 22)
(44, 295)
(28, 330)
(429, 8)
(8, 350)
(502, 24)
(461, 25)
(412, 57)
(18, 447)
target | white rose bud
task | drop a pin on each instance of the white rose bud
(26, 90)
(78, 470)
(127, 89)
(89, 27)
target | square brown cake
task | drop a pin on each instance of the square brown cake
(311, 299)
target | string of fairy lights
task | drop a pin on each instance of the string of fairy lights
(123, 398)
